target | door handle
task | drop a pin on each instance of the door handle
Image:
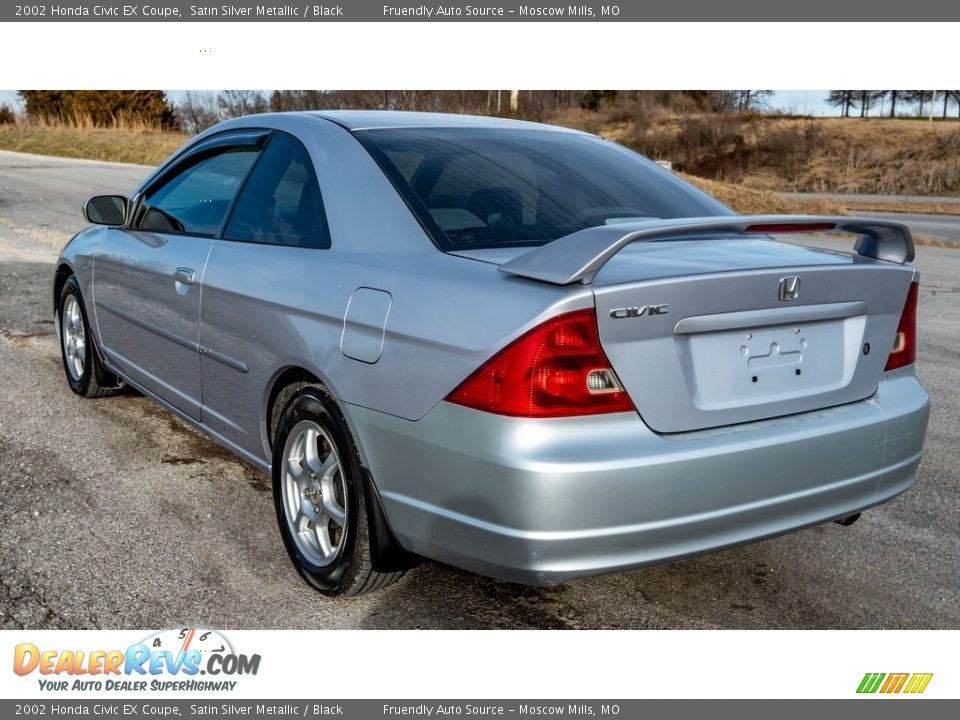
(184, 275)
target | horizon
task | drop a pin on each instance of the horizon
(813, 103)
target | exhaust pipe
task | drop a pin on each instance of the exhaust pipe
(848, 520)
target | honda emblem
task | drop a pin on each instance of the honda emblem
(789, 288)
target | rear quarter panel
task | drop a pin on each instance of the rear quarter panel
(270, 308)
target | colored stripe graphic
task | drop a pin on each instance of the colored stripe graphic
(870, 682)
(894, 683)
(918, 682)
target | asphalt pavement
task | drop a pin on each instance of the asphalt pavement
(115, 514)
(945, 228)
(867, 197)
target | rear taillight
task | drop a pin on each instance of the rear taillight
(905, 345)
(558, 369)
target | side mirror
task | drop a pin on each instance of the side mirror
(105, 210)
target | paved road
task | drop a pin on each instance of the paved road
(115, 514)
(847, 197)
(945, 228)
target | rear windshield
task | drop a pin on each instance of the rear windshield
(484, 188)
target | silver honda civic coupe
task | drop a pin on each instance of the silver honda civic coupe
(515, 348)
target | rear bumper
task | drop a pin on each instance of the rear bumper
(542, 502)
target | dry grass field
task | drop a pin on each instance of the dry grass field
(750, 201)
(126, 143)
(883, 156)
(837, 155)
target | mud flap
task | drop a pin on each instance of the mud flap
(386, 552)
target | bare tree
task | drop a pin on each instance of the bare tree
(197, 111)
(841, 99)
(948, 97)
(234, 103)
(286, 100)
(867, 100)
(918, 97)
(894, 95)
(747, 100)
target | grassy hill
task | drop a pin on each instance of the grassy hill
(142, 146)
(844, 155)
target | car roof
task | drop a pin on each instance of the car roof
(369, 119)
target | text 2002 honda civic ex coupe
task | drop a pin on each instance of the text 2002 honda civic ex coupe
(518, 349)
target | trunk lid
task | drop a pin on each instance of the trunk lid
(706, 333)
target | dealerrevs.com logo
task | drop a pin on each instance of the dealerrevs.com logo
(891, 683)
(167, 660)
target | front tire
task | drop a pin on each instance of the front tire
(319, 499)
(86, 375)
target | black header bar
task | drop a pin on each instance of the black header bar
(458, 11)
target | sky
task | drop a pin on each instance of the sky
(804, 102)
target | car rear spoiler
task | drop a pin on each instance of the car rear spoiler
(577, 257)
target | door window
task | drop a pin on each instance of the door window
(197, 198)
(280, 204)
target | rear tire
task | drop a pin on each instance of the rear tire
(86, 375)
(318, 494)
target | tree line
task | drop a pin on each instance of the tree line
(101, 108)
(195, 111)
(919, 102)
(198, 110)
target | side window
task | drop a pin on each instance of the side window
(280, 204)
(196, 199)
